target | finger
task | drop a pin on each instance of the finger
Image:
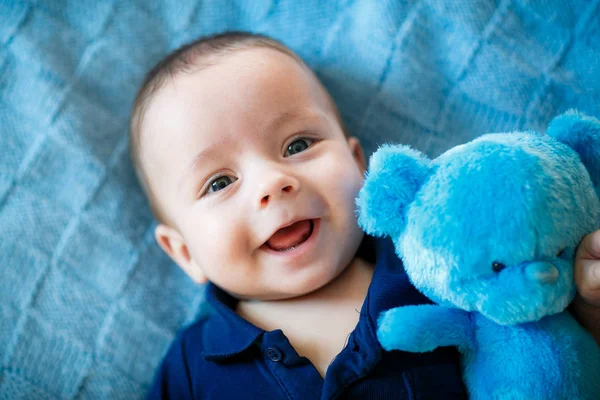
(589, 248)
(587, 279)
(590, 298)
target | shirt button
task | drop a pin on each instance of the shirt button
(274, 354)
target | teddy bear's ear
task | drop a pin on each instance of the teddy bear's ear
(582, 134)
(395, 175)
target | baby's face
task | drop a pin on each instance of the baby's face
(249, 161)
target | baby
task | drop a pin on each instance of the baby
(252, 177)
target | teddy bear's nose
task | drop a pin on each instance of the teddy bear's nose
(542, 271)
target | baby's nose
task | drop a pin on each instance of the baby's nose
(277, 186)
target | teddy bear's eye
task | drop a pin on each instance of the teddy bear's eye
(497, 266)
(561, 252)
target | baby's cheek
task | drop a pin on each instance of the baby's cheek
(349, 184)
(219, 229)
(202, 231)
(342, 195)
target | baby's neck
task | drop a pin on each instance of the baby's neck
(349, 288)
(316, 324)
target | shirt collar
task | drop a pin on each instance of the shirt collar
(390, 286)
(231, 335)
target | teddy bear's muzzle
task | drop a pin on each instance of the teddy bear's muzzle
(542, 271)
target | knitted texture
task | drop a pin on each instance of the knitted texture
(88, 302)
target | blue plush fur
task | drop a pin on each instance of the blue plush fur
(488, 231)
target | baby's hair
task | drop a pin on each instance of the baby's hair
(191, 57)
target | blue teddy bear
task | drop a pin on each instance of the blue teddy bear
(488, 231)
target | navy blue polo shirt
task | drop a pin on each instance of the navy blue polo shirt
(224, 356)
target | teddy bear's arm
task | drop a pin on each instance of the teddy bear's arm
(424, 328)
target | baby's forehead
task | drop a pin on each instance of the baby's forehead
(259, 82)
(239, 91)
(245, 89)
(267, 68)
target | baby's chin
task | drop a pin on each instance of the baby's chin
(312, 280)
(312, 286)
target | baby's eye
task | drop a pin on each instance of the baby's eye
(298, 146)
(219, 183)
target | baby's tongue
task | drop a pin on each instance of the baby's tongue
(290, 236)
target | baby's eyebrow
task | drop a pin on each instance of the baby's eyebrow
(282, 117)
(193, 164)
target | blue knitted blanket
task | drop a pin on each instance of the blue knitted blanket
(88, 302)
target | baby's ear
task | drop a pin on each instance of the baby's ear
(172, 243)
(395, 175)
(582, 134)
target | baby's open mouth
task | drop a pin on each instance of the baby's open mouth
(286, 239)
